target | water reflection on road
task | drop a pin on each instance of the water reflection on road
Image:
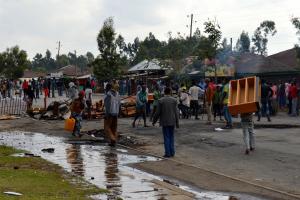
(103, 166)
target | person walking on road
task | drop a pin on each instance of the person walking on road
(156, 97)
(266, 94)
(209, 93)
(217, 103)
(225, 98)
(167, 113)
(112, 107)
(88, 98)
(195, 92)
(141, 100)
(294, 97)
(77, 108)
(248, 131)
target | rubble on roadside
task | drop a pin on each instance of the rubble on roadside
(59, 110)
(123, 139)
(128, 105)
(8, 117)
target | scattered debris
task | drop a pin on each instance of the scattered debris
(31, 155)
(128, 105)
(170, 182)
(13, 193)
(8, 117)
(95, 133)
(48, 150)
(57, 110)
(233, 198)
(219, 129)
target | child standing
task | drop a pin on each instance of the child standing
(77, 107)
(248, 131)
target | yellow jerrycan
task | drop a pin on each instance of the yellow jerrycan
(69, 124)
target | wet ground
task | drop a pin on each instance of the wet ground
(107, 168)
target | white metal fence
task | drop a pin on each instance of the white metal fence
(12, 106)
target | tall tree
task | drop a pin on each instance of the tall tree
(72, 58)
(90, 57)
(37, 62)
(296, 22)
(260, 37)
(13, 62)
(62, 60)
(48, 61)
(210, 45)
(107, 65)
(243, 43)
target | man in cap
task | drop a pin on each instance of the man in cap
(112, 107)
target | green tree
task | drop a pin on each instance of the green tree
(72, 58)
(209, 46)
(243, 43)
(107, 65)
(90, 57)
(62, 60)
(48, 61)
(13, 62)
(37, 62)
(260, 37)
(82, 62)
(296, 22)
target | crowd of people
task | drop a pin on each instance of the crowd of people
(202, 98)
(207, 97)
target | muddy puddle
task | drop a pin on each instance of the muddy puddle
(107, 168)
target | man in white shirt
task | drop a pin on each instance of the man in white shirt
(195, 92)
(184, 105)
(88, 99)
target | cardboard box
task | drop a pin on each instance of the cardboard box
(244, 95)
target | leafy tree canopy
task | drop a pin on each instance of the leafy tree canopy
(243, 43)
(13, 62)
(260, 37)
(107, 65)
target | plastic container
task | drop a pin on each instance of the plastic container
(69, 124)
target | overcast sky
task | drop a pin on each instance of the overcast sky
(37, 25)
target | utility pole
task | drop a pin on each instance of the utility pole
(75, 63)
(58, 48)
(191, 26)
(58, 51)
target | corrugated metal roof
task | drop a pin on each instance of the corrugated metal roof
(147, 65)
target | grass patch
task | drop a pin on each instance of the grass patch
(6, 151)
(38, 179)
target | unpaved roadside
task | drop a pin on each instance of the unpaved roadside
(275, 164)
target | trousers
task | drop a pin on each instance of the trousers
(227, 115)
(168, 132)
(110, 127)
(248, 134)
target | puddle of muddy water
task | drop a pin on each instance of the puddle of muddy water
(103, 166)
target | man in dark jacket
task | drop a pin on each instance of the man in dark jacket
(266, 94)
(168, 115)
